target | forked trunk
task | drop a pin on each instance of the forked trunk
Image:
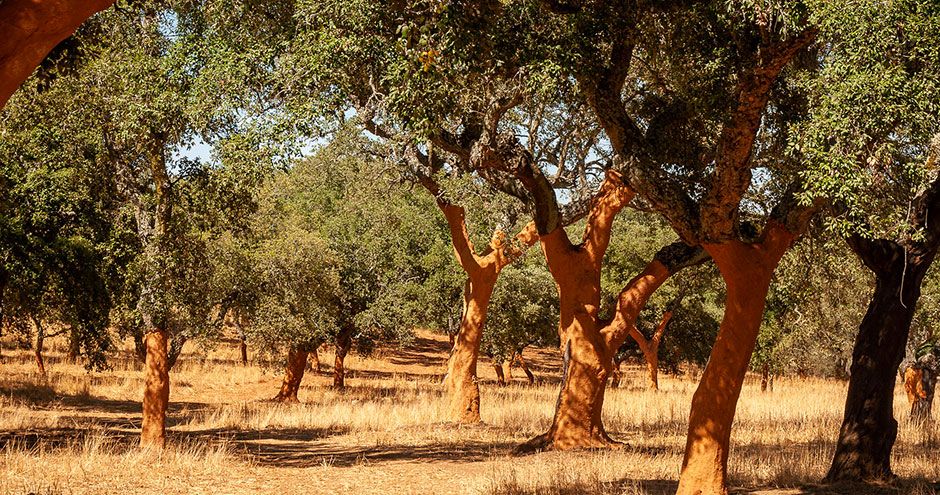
(293, 375)
(868, 432)
(747, 270)
(343, 344)
(156, 390)
(461, 379)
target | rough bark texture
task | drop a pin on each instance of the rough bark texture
(31, 29)
(293, 375)
(746, 270)
(868, 432)
(156, 390)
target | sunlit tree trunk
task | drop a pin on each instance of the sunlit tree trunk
(747, 270)
(314, 359)
(920, 383)
(156, 390)
(650, 348)
(293, 375)
(616, 374)
(482, 272)
(31, 29)
(500, 375)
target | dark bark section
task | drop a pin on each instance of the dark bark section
(868, 432)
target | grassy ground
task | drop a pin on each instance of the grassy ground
(75, 432)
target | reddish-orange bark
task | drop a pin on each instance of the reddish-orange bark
(747, 270)
(293, 375)
(31, 29)
(482, 272)
(156, 390)
(588, 361)
(650, 348)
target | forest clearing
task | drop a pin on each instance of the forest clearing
(75, 433)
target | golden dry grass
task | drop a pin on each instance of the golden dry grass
(75, 432)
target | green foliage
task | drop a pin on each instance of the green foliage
(523, 310)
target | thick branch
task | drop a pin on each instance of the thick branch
(732, 177)
(612, 197)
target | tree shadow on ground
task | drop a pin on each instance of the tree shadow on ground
(301, 454)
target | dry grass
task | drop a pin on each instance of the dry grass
(74, 432)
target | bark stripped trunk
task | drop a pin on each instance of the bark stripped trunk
(293, 375)
(342, 346)
(587, 361)
(868, 432)
(747, 270)
(482, 272)
(156, 390)
(650, 349)
(159, 358)
(31, 29)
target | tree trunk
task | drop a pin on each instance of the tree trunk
(343, 344)
(243, 347)
(920, 383)
(525, 368)
(74, 346)
(315, 357)
(40, 338)
(500, 376)
(868, 432)
(747, 270)
(293, 374)
(461, 379)
(652, 368)
(156, 390)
